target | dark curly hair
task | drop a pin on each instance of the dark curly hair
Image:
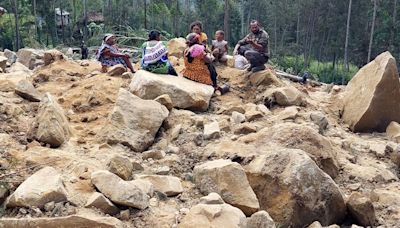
(196, 23)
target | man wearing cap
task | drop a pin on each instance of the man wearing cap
(255, 47)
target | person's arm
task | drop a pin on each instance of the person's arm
(226, 48)
(255, 44)
(108, 52)
(240, 43)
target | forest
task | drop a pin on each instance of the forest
(331, 39)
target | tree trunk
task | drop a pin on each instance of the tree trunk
(298, 23)
(35, 16)
(226, 20)
(346, 46)
(145, 14)
(85, 20)
(372, 30)
(16, 15)
(394, 27)
(62, 23)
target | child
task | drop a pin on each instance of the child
(109, 55)
(219, 47)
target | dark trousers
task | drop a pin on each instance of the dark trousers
(255, 58)
(213, 73)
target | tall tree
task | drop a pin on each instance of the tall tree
(372, 30)
(17, 34)
(226, 20)
(346, 46)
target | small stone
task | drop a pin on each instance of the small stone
(393, 131)
(163, 170)
(175, 132)
(211, 131)
(165, 100)
(172, 149)
(49, 206)
(99, 201)
(212, 198)
(361, 209)
(153, 154)
(320, 120)
(315, 224)
(354, 187)
(26, 90)
(124, 215)
(137, 166)
(169, 185)
(121, 166)
(262, 108)
(117, 70)
(244, 129)
(238, 118)
(259, 219)
(225, 125)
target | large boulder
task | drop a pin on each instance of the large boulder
(293, 190)
(169, 185)
(184, 93)
(372, 97)
(42, 187)
(265, 77)
(51, 56)
(361, 209)
(228, 179)
(176, 47)
(212, 215)
(69, 221)
(134, 122)
(26, 90)
(126, 193)
(50, 126)
(295, 136)
(31, 58)
(11, 56)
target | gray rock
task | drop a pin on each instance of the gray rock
(26, 90)
(121, 166)
(42, 187)
(99, 201)
(121, 192)
(169, 185)
(211, 130)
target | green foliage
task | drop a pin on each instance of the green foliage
(322, 71)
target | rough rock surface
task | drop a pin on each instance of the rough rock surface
(42, 187)
(169, 185)
(393, 131)
(69, 221)
(121, 166)
(260, 219)
(362, 209)
(26, 90)
(134, 122)
(298, 192)
(51, 56)
(372, 97)
(126, 193)
(228, 179)
(99, 201)
(212, 215)
(184, 93)
(50, 126)
(116, 70)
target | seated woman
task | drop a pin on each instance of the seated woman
(109, 55)
(155, 55)
(195, 59)
(197, 27)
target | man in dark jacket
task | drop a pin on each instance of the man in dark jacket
(255, 47)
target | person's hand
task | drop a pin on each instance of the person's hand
(250, 41)
(235, 52)
(127, 56)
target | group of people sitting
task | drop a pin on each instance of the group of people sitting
(198, 58)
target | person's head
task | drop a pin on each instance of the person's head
(255, 26)
(219, 35)
(196, 27)
(192, 39)
(110, 39)
(154, 35)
